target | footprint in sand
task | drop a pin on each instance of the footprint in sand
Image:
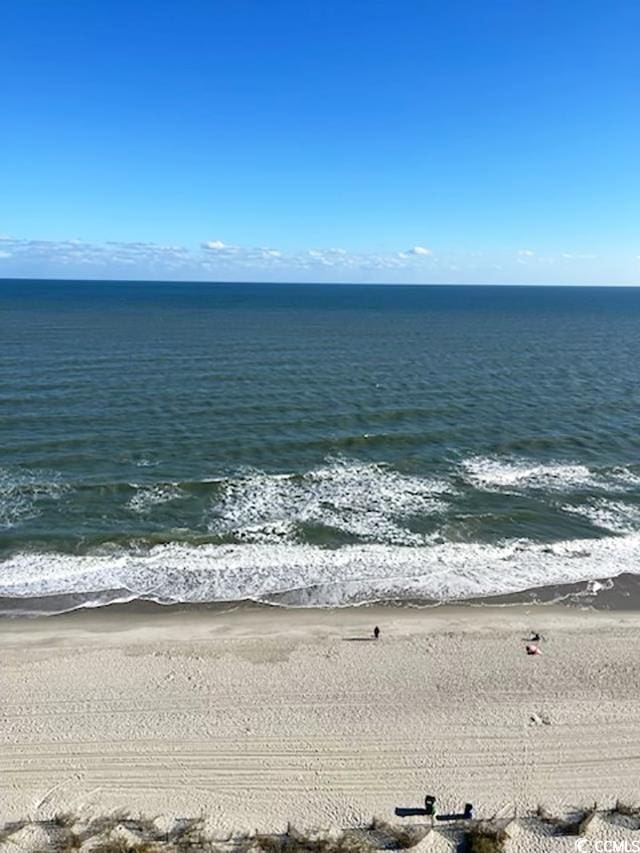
(539, 720)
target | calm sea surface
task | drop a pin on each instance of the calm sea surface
(314, 444)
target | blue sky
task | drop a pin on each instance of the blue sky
(339, 140)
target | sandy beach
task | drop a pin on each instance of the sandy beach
(258, 717)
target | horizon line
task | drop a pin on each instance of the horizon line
(311, 283)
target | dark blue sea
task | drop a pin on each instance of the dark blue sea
(315, 444)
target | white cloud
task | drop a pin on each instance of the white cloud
(212, 259)
(215, 245)
(216, 260)
(47, 255)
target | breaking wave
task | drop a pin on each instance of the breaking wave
(616, 516)
(146, 497)
(23, 492)
(515, 474)
(305, 575)
(345, 532)
(371, 502)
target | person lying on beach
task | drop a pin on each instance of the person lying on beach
(532, 649)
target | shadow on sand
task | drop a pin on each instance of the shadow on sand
(400, 812)
(358, 639)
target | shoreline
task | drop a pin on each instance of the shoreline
(255, 620)
(610, 594)
(261, 716)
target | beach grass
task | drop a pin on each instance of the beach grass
(483, 837)
(575, 824)
(396, 836)
(626, 810)
(119, 832)
(294, 841)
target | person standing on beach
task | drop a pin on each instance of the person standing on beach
(376, 633)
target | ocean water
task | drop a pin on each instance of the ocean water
(314, 444)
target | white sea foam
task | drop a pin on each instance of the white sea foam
(267, 512)
(366, 500)
(22, 490)
(616, 516)
(624, 478)
(514, 474)
(146, 497)
(316, 576)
